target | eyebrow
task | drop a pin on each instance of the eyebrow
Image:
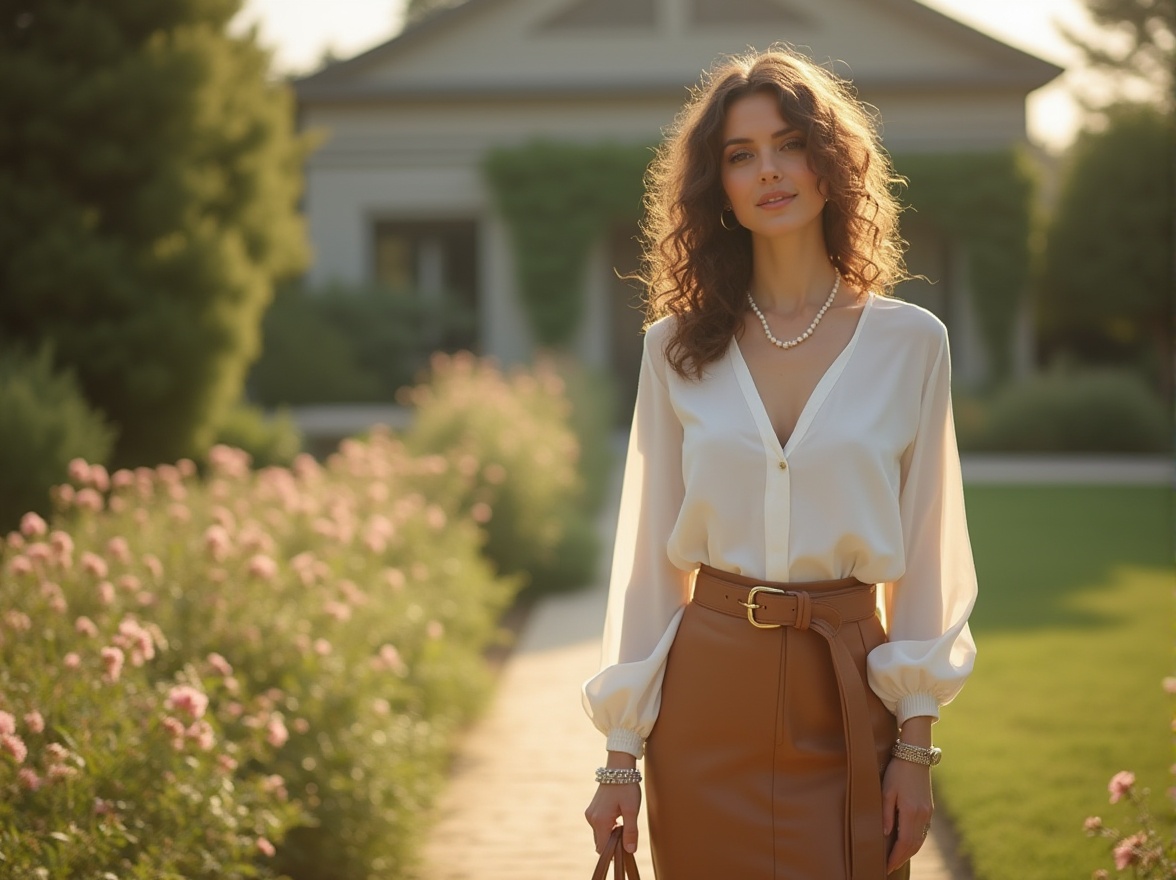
(781, 133)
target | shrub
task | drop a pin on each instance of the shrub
(344, 344)
(268, 439)
(1089, 411)
(512, 435)
(331, 616)
(44, 422)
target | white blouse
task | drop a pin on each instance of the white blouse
(867, 486)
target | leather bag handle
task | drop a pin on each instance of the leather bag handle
(623, 862)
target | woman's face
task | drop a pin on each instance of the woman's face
(765, 169)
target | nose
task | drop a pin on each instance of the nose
(768, 170)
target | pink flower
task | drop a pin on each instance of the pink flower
(276, 785)
(201, 733)
(389, 658)
(7, 722)
(122, 478)
(1120, 785)
(15, 746)
(20, 565)
(28, 779)
(71, 660)
(119, 549)
(63, 495)
(103, 807)
(94, 564)
(56, 753)
(35, 721)
(434, 629)
(135, 638)
(219, 665)
(1169, 684)
(99, 478)
(322, 647)
(175, 729)
(18, 621)
(262, 567)
(33, 526)
(105, 592)
(217, 542)
(61, 771)
(152, 564)
(16, 540)
(276, 733)
(1092, 824)
(300, 725)
(266, 848)
(188, 700)
(62, 544)
(129, 583)
(1128, 850)
(481, 512)
(226, 763)
(79, 471)
(89, 499)
(86, 627)
(113, 659)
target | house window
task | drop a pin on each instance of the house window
(436, 263)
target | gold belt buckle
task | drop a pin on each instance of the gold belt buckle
(751, 606)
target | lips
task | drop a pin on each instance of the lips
(775, 200)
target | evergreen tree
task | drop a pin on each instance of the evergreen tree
(1107, 280)
(1139, 42)
(149, 176)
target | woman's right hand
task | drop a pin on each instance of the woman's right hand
(610, 803)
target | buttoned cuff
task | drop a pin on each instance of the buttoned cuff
(621, 740)
(913, 705)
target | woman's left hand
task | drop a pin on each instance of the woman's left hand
(907, 804)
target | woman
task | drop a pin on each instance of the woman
(792, 576)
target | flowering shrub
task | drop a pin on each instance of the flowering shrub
(247, 674)
(518, 427)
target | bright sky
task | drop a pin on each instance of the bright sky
(300, 31)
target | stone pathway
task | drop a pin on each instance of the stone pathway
(514, 806)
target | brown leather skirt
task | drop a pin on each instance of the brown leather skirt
(766, 759)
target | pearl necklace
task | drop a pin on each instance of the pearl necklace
(780, 343)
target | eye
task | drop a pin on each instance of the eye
(738, 156)
(793, 143)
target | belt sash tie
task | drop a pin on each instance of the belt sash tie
(770, 605)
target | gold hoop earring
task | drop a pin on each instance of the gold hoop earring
(723, 219)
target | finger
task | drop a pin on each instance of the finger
(910, 841)
(629, 837)
(602, 826)
(889, 809)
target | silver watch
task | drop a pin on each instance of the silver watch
(916, 754)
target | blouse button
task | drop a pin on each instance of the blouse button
(783, 465)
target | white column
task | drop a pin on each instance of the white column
(503, 332)
(593, 339)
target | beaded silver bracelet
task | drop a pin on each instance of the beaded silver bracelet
(617, 775)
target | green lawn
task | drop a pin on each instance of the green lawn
(1074, 628)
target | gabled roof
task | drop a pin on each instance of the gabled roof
(383, 72)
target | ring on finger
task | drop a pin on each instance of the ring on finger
(926, 829)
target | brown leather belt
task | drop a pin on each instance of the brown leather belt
(822, 607)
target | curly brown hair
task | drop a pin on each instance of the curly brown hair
(699, 271)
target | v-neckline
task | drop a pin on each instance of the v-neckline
(820, 391)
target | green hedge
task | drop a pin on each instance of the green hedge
(44, 423)
(1086, 411)
(347, 343)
